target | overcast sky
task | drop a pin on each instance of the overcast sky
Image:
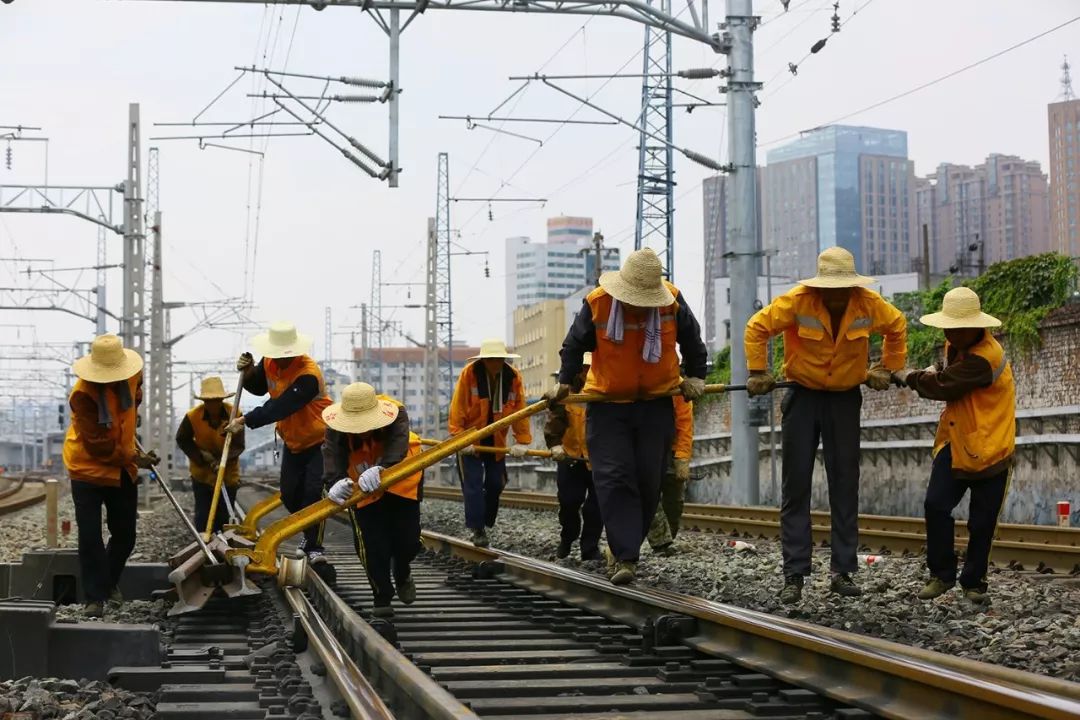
(72, 66)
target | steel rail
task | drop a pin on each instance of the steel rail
(19, 496)
(880, 676)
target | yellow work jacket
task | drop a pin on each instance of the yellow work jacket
(818, 356)
(304, 428)
(980, 427)
(212, 440)
(470, 408)
(83, 465)
(683, 446)
(573, 440)
(366, 450)
(618, 368)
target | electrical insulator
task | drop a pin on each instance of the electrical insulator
(836, 17)
(491, 215)
(7, 155)
(487, 269)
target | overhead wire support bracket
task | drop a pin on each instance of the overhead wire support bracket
(327, 98)
(345, 152)
(357, 81)
(557, 121)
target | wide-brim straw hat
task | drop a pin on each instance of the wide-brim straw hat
(639, 282)
(360, 410)
(492, 348)
(960, 309)
(109, 361)
(211, 388)
(836, 269)
(281, 341)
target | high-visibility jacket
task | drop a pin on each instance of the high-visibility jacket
(81, 464)
(212, 440)
(618, 368)
(470, 407)
(366, 450)
(573, 440)
(818, 356)
(683, 447)
(305, 428)
(980, 427)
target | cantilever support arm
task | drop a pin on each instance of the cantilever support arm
(49, 210)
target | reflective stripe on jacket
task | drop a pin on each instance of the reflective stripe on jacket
(305, 428)
(212, 440)
(81, 463)
(981, 426)
(470, 407)
(815, 356)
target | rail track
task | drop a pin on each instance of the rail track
(16, 494)
(1035, 547)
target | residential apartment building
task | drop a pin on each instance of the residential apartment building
(539, 330)
(1064, 126)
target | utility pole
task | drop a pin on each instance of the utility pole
(132, 328)
(431, 336)
(743, 231)
(376, 309)
(439, 313)
(364, 344)
(157, 382)
(598, 254)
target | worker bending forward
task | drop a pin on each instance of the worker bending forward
(826, 321)
(368, 434)
(668, 517)
(973, 449)
(632, 324)
(102, 461)
(579, 510)
(297, 398)
(201, 436)
(488, 389)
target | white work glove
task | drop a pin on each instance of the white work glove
(932, 368)
(244, 362)
(467, 450)
(371, 478)
(235, 425)
(341, 491)
(878, 378)
(900, 376)
(558, 453)
(692, 388)
(558, 393)
(518, 450)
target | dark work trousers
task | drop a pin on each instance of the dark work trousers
(301, 485)
(832, 418)
(482, 482)
(629, 448)
(943, 494)
(101, 564)
(579, 511)
(203, 496)
(388, 540)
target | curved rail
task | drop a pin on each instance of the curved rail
(18, 496)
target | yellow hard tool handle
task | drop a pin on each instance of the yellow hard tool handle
(264, 554)
(224, 459)
(490, 449)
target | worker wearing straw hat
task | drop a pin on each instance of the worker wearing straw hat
(488, 389)
(102, 460)
(632, 324)
(297, 398)
(579, 510)
(976, 437)
(368, 434)
(201, 436)
(826, 322)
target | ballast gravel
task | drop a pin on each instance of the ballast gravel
(72, 700)
(1032, 623)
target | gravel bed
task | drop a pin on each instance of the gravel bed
(1032, 624)
(73, 700)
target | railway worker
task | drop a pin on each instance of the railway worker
(201, 436)
(488, 389)
(579, 510)
(668, 517)
(297, 399)
(102, 460)
(366, 435)
(826, 321)
(973, 449)
(632, 324)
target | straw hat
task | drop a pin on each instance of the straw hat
(639, 282)
(211, 388)
(492, 348)
(108, 361)
(282, 341)
(359, 411)
(836, 269)
(961, 309)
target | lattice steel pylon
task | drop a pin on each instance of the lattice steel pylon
(157, 383)
(654, 225)
(438, 330)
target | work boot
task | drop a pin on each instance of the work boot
(624, 574)
(300, 551)
(609, 559)
(382, 611)
(934, 588)
(978, 596)
(316, 557)
(94, 609)
(843, 585)
(563, 550)
(792, 592)
(115, 598)
(406, 590)
(480, 538)
(666, 550)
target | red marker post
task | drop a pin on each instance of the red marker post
(1064, 513)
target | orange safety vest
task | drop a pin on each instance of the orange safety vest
(980, 427)
(212, 440)
(469, 411)
(573, 440)
(80, 464)
(618, 369)
(368, 451)
(683, 446)
(304, 428)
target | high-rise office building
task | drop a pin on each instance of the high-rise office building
(714, 205)
(1064, 122)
